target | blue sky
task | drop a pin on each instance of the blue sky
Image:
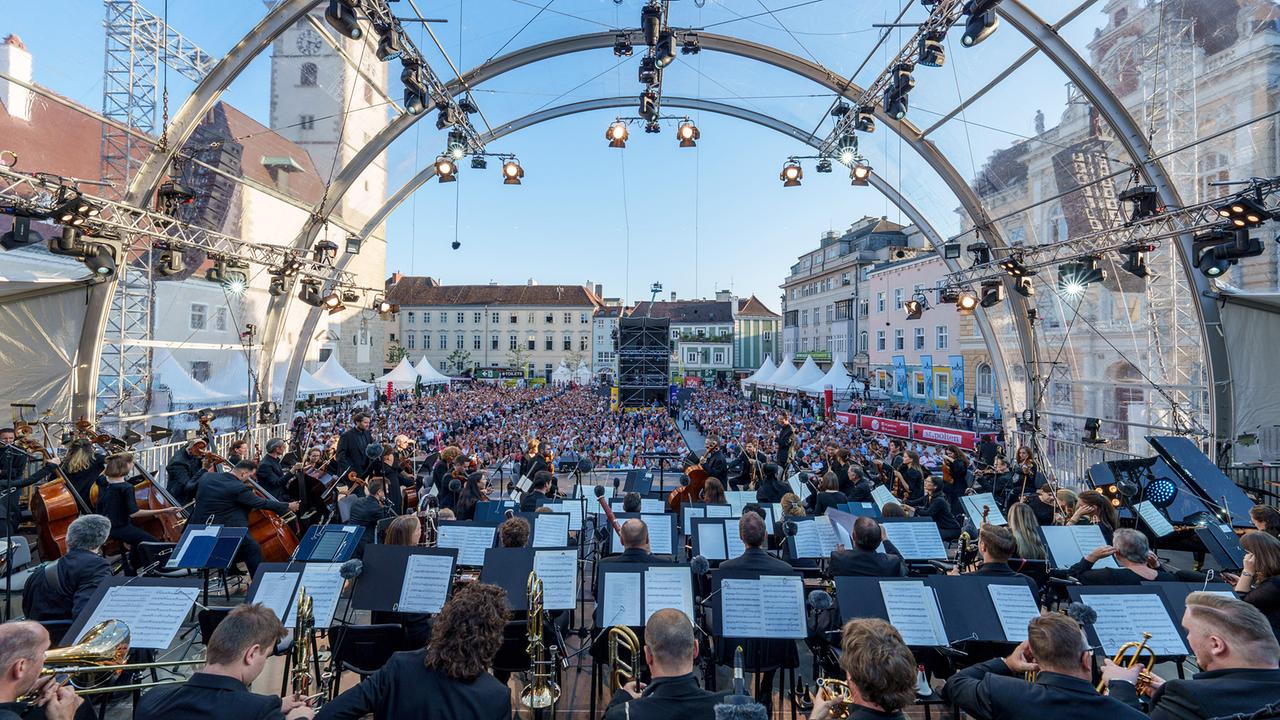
(695, 220)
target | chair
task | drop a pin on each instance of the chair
(363, 649)
(19, 563)
(344, 506)
(209, 619)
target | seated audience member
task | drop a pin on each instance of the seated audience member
(863, 559)
(61, 589)
(1259, 582)
(1239, 663)
(514, 532)
(673, 693)
(1131, 553)
(449, 678)
(1056, 649)
(880, 671)
(237, 653)
(23, 645)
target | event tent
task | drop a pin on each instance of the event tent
(808, 372)
(308, 385)
(401, 377)
(767, 368)
(229, 375)
(582, 375)
(784, 372)
(333, 375)
(183, 389)
(837, 377)
(429, 374)
(562, 374)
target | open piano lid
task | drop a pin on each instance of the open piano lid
(1203, 477)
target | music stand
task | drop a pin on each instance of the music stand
(153, 608)
(328, 543)
(382, 584)
(205, 548)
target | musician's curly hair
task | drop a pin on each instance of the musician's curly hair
(468, 631)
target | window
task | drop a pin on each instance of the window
(495, 318)
(531, 322)
(919, 338)
(199, 316)
(862, 341)
(767, 337)
(942, 385)
(307, 122)
(547, 369)
(493, 341)
(462, 341)
(897, 298)
(426, 341)
(583, 319)
(897, 339)
(691, 357)
(919, 383)
(831, 313)
(719, 357)
(426, 317)
(220, 318)
(200, 370)
(514, 319)
(583, 340)
(462, 317)
(308, 76)
(408, 317)
(444, 318)
(804, 318)
(844, 278)
(550, 318)
(943, 337)
(1213, 168)
(702, 332)
(984, 379)
(514, 342)
(549, 342)
(880, 301)
(568, 343)
(475, 318)
(475, 342)
(409, 341)
(879, 340)
(532, 342)
(1061, 394)
(568, 318)
(444, 341)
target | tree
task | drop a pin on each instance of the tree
(396, 353)
(573, 358)
(460, 360)
(518, 359)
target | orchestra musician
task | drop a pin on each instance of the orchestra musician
(1131, 552)
(352, 445)
(863, 559)
(441, 474)
(713, 460)
(388, 468)
(59, 590)
(750, 463)
(83, 467)
(23, 644)
(514, 532)
(860, 486)
(986, 451)
(754, 557)
(237, 652)
(1237, 654)
(957, 467)
(828, 495)
(238, 450)
(537, 494)
(996, 545)
(635, 545)
(772, 487)
(183, 473)
(1025, 529)
(270, 473)
(535, 461)
(1094, 508)
(1259, 581)
(1025, 471)
(449, 678)
(880, 671)
(938, 507)
(473, 489)
(13, 465)
(370, 509)
(914, 474)
(227, 498)
(632, 502)
(1264, 517)
(672, 693)
(118, 503)
(785, 439)
(713, 492)
(405, 530)
(897, 453)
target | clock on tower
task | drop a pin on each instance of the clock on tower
(309, 42)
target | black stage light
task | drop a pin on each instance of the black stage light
(1218, 249)
(691, 45)
(966, 302)
(982, 21)
(622, 45)
(916, 306)
(277, 286)
(455, 244)
(20, 235)
(353, 244)
(1243, 212)
(1092, 426)
(1014, 266)
(342, 18)
(416, 97)
(649, 106)
(981, 253)
(992, 293)
(847, 149)
(951, 251)
(823, 166)
(324, 251)
(931, 52)
(1135, 259)
(309, 292)
(478, 162)
(651, 23)
(1024, 287)
(866, 119)
(665, 53)
(389, 47)
(172, 261)
(1144, 199)
(100, 260)
(350, 296)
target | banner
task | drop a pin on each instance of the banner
(828, 400)
(692, 381)
(944, 436)
(957, 379)
(391, 391)
(892, 428)
(846, 418)
(926, 366)
(900, 375)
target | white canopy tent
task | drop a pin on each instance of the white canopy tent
(562, 374)
(308, 385)
(230, 375)
(429, 374)
(401, 377)
(183, 389)
(582, 375)
(336, 378)
(784, 372)
(809, 372)
(766, 369)
(837, 377)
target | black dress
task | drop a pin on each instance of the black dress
(1266, 597)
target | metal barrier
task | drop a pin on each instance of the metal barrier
(156, 457)
(1068, 462)
(1263, 479)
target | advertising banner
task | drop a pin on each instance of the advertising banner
(926, 366)
(892, 428)
(957, 379)
(900, 376)
(846, 418)
(944, 436)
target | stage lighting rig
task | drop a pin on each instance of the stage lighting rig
(860, 173)
(341, 15)
(931, 53)
(512, 172)
(324, 251)
(847, 149)
(1135, 259)
(446, 169)
(791, 174)
(73, 208)
(1092, 426)
(649, 104)
(651, 22)
(622, 45)
(1145, 201)
(916, 306)
(20, 235)
(966, 302)
(981, 253)
(1244, 212)
(1024, 287)
(1014, 267)
(898, 89)
(172, 262)
(981, 21)
(688, 134)
(172, 195)
(823, 166)
(665, 52)
(992, 293)
(457, 144)
(1218, 249)
(865, 120)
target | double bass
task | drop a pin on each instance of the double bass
(54, 504)
(271, 531)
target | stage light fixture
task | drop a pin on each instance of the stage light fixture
(309, 292)
(931, 51)
(691, 45)
(688, 134)
(350, 296)
(966, 303)
(277, 286)
(1135, 259)
(384, 307)
(665, 53)
(649, 107)
(447, 117)
(895, 96)
(100, 260)
(171, 262)
(1024, 287)
(21, 234)
(866, 119)
(651, 23)
(324, 251)
(332, 302)
(791, 174)
(1145, 202)
(455, 244)
(1243, 212)
(981, 253)
(860, 174)
(171, 195)
(823, 166)
(847, 149)
(951, 251)
(74, 210)
(512, 172)
(1092, 426)
(1218, 249)
(652, 127)
(916, 306)
(478, 162)
(617, 134)
(457, 144)
(353, 244)
(840, 109)
(1074, 277)
(416, 97)
(647, 71)
(1160, 492)
(229, 273)
(895, 105)
(446, 169)
(1014, 267)
(67, 243)
(992, 293)
(982, 21)
(389, 47)
(622, 45)
(342, 18)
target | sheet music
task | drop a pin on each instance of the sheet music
(734, 547)
(153, 614)
(711, 541)
(687, 514)
(777, 516)
(882, 496)
(806, 541)
(721, 511)
(659, 533)
(916, 540)
(1069, 543)
(1123, 617)
(175, 559)
(799, 487)
(621, 604)
(276, 590)
(652, 505)
(831, 534)
(668, 587)
(913, 610)
(738, 500)
(426, 583)
(1015, 606)
(741, 608)
(558, 570)
(1154, 519)
(550, 530)
(523, 484)
(323, 582)
(973, 505)
(470, 541)
(771, 606)
(573, 508)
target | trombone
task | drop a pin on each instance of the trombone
(542, 692)
(1131, 654)
(95, 661)
(622, 637)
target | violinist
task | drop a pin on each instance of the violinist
(957, 468)
(897, 453)
(369, 510)
(913, 473)
(83, 467)
(271, 475)
(387, 467)
(184, 472)
(938, 507)
(117, 502)
(441, 476)
(237, 451)
(473, 489)
(534, 461)
(1025, 470)
(713, 460)
(13, 465)
(227, 499)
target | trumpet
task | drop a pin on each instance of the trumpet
(542, 692)
(837, 690)
(622, 637)
(1130, 655)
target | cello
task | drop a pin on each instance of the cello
(271, 531)
(692, 490)
(54, 504)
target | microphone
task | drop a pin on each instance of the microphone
(351, 569)
(739, 686)
(1082, 613)
(789, 528)
(739, 705)
(455, 485)
(599, 490)
(699, 565)
(820, 600)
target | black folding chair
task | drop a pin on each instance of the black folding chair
(363, 649)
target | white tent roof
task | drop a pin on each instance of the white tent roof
(336, 377)
(583, 374)
(784, 372)
(429, 374)
(767, 368)
(808, 372)
(562, 374)
(183, 389)
(307, 383)
(230, 375)
(401, 377)
(837, 377)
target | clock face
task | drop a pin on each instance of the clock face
(309, 42)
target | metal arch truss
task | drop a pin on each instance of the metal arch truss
(139, 230)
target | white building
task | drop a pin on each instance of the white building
(604, 339)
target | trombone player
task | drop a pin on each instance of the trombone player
(23, 645)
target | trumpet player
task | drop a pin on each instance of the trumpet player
(22, 648)
(880, 672)
(237, 653)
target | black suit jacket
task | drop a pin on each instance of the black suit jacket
(182, 474)
(771, 491)
(351, 447)
(757, 560)
(1208, 694)
(995, 569)
(406, 688)
(990, 690)
(785, 437)
(636, 555)
(207, 696)
(80, 572)
(366, 511)
(1087, 575)
(716, 466)
(668, 698)
(530, 501)
(229, 501)
(865, 564)
(271, 476)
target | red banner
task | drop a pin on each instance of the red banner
(692, 381)
(846, 418)
(964, 439)
(892, 428)
(390, 391)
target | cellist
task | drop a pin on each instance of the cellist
(227, 498)
(117, 502)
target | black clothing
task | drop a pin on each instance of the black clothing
(228, 502)
(13, 465)
(990, 690)
(1214, 693)
(272, 477)
(859, 490)
(786, 436)
(986, 451)
(406, 688)
(1266, 597)
(182, 476)
(79, 574)
(716, 466)
(417, 626)
(531, 465)
(939, 508)
(828, 499)
(668, 698)
(859, 562)
(117, 502)
(841, 469)
(351, 447)
(771, 491)
(636, 555)
(12, 710)
(865, 713)
(915, 484)
(757, 560)
(1084, 572)
(207, 696)
(997, 569)
(440, 478)
(85, 479)
(396, 482)
(366, 511)
(1042, 510)
(530, 501)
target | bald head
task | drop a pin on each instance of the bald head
(22, 648)
(669, 643)
(635, 534)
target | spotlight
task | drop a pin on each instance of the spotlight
(383, 307)
(268, 412)
(966, 303)
(622, 45)
(353, 244)
(840, 109)
(649, 106)
(389, 47)
(866, 120)
(100, 260)
(1220, 248)
(691, 45)
(1091, 426)
(172, 261)
(1145, 201)
(895, 96)
(992, 293)
(342, 17)
(447, 117)
(309, 292)
(916, 306)
(512, 172)
(860, 174)
(981, 253)
(651, 23)
(931, 51)
(895, 105)
(665, 53)
(791, 174)
(1075, 277)
(228, 273)
(324, 251)
(20, 235)
(1024, 287)
(951, 251)
(847, 149)
(332, 302)
(457, 144)
(277, 286)
(1244, 212)
(479, 163)
(981, 23)
(446, 170)
(823, 166)
(647, 72)
(1135, 259)
(205, 415)
(68, 243)
(416, 97)
(171, 195)
(617, 134)
(455, 244)
(74, 210)
(1014, 267)
(688, 134)
(350, 296)
(1160, 492)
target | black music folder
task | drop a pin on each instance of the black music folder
(639, 481)
(1127, 611)
(403, 578)
(1223, 544)
(941, 610)
(753, 605)
(207, 547)
(328, 543)
(630, 592)
(509, 569)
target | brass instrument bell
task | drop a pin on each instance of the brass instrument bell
(837, 690)
(621, 638)
(1132, 654)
